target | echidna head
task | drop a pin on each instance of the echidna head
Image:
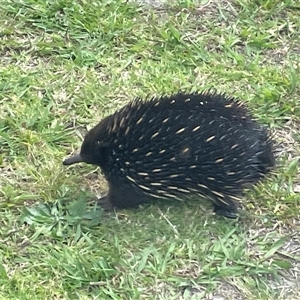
(94, 149)
(92, 152)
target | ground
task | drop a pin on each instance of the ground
(64, 66)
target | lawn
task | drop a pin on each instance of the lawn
(65, 65)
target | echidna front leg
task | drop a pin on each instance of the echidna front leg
(105, 204)
(228, 209)
(122, 197)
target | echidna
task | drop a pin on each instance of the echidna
(174, 147)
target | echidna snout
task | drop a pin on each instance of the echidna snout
(72, 160)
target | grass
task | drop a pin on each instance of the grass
(67, 64)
